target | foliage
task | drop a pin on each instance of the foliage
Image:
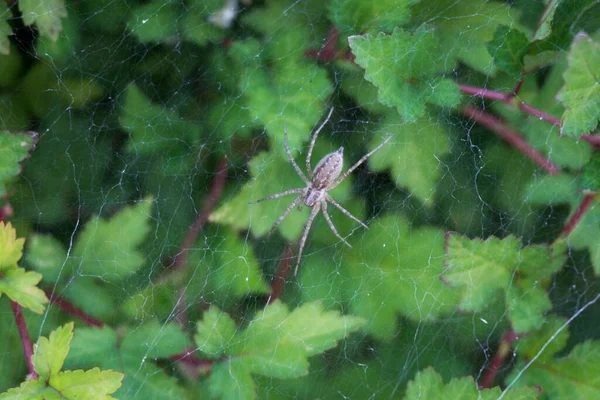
(135, 134)
(48, 359)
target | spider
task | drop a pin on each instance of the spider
(325, 177)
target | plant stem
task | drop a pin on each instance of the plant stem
(278, 282)
(512, 137)
(24, 334)
(503, 350)
(214, 195)
(585, 204)
(70, 308)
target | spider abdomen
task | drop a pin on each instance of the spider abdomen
(328, 170)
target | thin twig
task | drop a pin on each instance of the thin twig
(70, 308)
(281, 275)
(585, 204)
(214, 195)
(513, 138)
(503, 350)
(24, 334)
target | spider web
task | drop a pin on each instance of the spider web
(174, 111)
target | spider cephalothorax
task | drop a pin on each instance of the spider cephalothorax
(325, 177)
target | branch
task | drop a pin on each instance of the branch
(214, 195)
(281, 275)
(512, 137)
(585, 204)
(503, 350)
(24, 334)
(70, 308)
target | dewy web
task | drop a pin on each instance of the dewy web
(325, 177)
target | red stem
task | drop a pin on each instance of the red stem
(24, 334)
(503, 350)
(512, 137)
(70, 308)
(278, 282)
(213, 197)
(585, 204)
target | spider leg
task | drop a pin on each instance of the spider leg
(344, 211)
(285, 213)
(278, 195)
(326, 215)
(362, 160)
(312, 216)
(313, 140)
(289, 153)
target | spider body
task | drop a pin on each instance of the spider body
(325, 177)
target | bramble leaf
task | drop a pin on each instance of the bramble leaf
(196, 25)
(581, 92)
(508, 47)
(467, 39)
(15, 282)
(413, 154)
(109, 249)
(481, 268)
(153, 129)
(46, 14)
(131, 353)
(406, 70)
(574, 376)
(14, 148)
(545, 23)
(279, 97)
(52, 383)
(428, 384)
(155, 21)
(46, 255)
(276, 344)
(359, 16)
(589, 180)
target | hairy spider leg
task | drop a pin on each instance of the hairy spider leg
(285, 213)
(289, 153)
(278, 195)
(312, 216)
(362, 160)
(331, 226)
(343, 210)
(312, 143)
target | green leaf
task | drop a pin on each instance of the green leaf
(279, 97)
(14, 148)
(589, 180)
(405, 69)
(109, 249)
(508, 47)
(576, 376)
(46, 255)
(11, 248)
(581, 93)
(50, 353)
(155, 21)
(276, 344)
(195, 24)
(46, 14)
(153, 129)
(481, 268)
(5, 29)
(428, 384)
(552, 336)
(404, 265)
(131, 352)
(215, 332)
(557, 189)
(413, 155)
(359, 16)
(20, 286)
(52, 383)
(545, 23)
(466, 39)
